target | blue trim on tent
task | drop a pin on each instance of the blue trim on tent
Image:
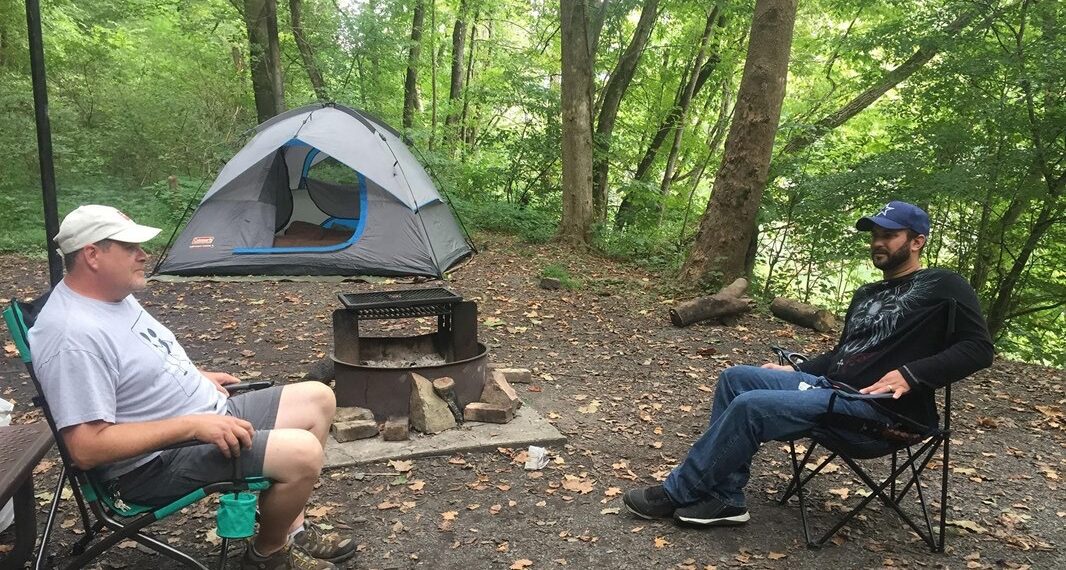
(358, 233)
(295, 142)
(331, 222)
(307, 164)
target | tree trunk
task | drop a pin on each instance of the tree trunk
(434, 57)
(576, 56)
(726, 228)
(612, 99)
(724, 303)
(261, 20)
(410, 84)
(306, 53)
(463, 121)
(686, 102)
(627, 210)
(803, 314)
(455, 86)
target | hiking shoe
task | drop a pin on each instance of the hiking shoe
(712, 512)
(649, 502)
(288, 558)
(324, 546)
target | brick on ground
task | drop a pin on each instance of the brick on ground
(351, 414)
(489, 413)
(355, 429)
(396, 429)
(516, 375)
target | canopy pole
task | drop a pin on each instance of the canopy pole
(44, 140)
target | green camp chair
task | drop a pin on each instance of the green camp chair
(236, 517)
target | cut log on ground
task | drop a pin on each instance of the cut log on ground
(803, 314)
(724, 303)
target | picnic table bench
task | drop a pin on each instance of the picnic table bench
(21, 448)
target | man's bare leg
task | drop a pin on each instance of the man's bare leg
(304, 407)
(307, 406)
(293, 461)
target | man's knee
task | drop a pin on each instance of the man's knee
(293, 454)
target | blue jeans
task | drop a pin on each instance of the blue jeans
(752, 406)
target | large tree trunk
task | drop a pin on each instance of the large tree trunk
(306, 53)
(725, 230)
(410, 84)
(627, 209)
(455, 86)
(612, 98)
(261, 20)
(577, 61)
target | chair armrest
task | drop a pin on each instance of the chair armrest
(787, 357)
(248, 386)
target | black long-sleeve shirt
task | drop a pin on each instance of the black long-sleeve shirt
(903, 324)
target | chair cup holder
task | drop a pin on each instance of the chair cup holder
(236, 515)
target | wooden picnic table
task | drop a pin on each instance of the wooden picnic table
(21, 448)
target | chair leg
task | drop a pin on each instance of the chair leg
(796, 487)
(944, 493)
(49, 523)
(222, 554)
(878, 491)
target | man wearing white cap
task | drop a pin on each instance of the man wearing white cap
(119, 386)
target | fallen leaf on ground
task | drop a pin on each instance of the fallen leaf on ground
(401, 466)
(521, 564)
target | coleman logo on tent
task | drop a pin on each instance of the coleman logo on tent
(202, 241)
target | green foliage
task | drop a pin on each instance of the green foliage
(531, 224)
(559, 272)
(144, 90)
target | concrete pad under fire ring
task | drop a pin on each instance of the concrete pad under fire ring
(527, 428)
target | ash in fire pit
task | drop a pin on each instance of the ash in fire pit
(425, 360)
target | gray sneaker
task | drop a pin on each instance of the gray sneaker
(712, 512)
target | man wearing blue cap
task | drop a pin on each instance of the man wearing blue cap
(893, 342)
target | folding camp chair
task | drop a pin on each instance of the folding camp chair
(910, 445)
(123, 519)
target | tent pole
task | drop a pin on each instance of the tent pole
(44, 140)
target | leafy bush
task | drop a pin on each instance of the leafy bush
(559, 272)
(533, 225)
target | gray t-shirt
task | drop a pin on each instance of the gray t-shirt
(98, 360)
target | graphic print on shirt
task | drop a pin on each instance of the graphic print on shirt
(176, 364)
(877, 317)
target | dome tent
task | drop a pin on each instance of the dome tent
(320, 190)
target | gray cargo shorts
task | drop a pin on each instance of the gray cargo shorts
(177, 472)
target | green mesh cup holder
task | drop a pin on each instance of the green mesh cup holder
(236, 515)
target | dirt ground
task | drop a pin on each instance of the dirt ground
(631, 393)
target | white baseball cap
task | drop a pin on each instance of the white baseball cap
(92, 223)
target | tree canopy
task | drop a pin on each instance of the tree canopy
(956, 105)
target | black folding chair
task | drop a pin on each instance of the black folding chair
(123, 519)
(910, 446)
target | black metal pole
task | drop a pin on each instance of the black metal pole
(44, 140)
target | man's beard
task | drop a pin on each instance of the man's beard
(894, 259)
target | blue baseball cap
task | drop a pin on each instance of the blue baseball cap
(897, 216)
